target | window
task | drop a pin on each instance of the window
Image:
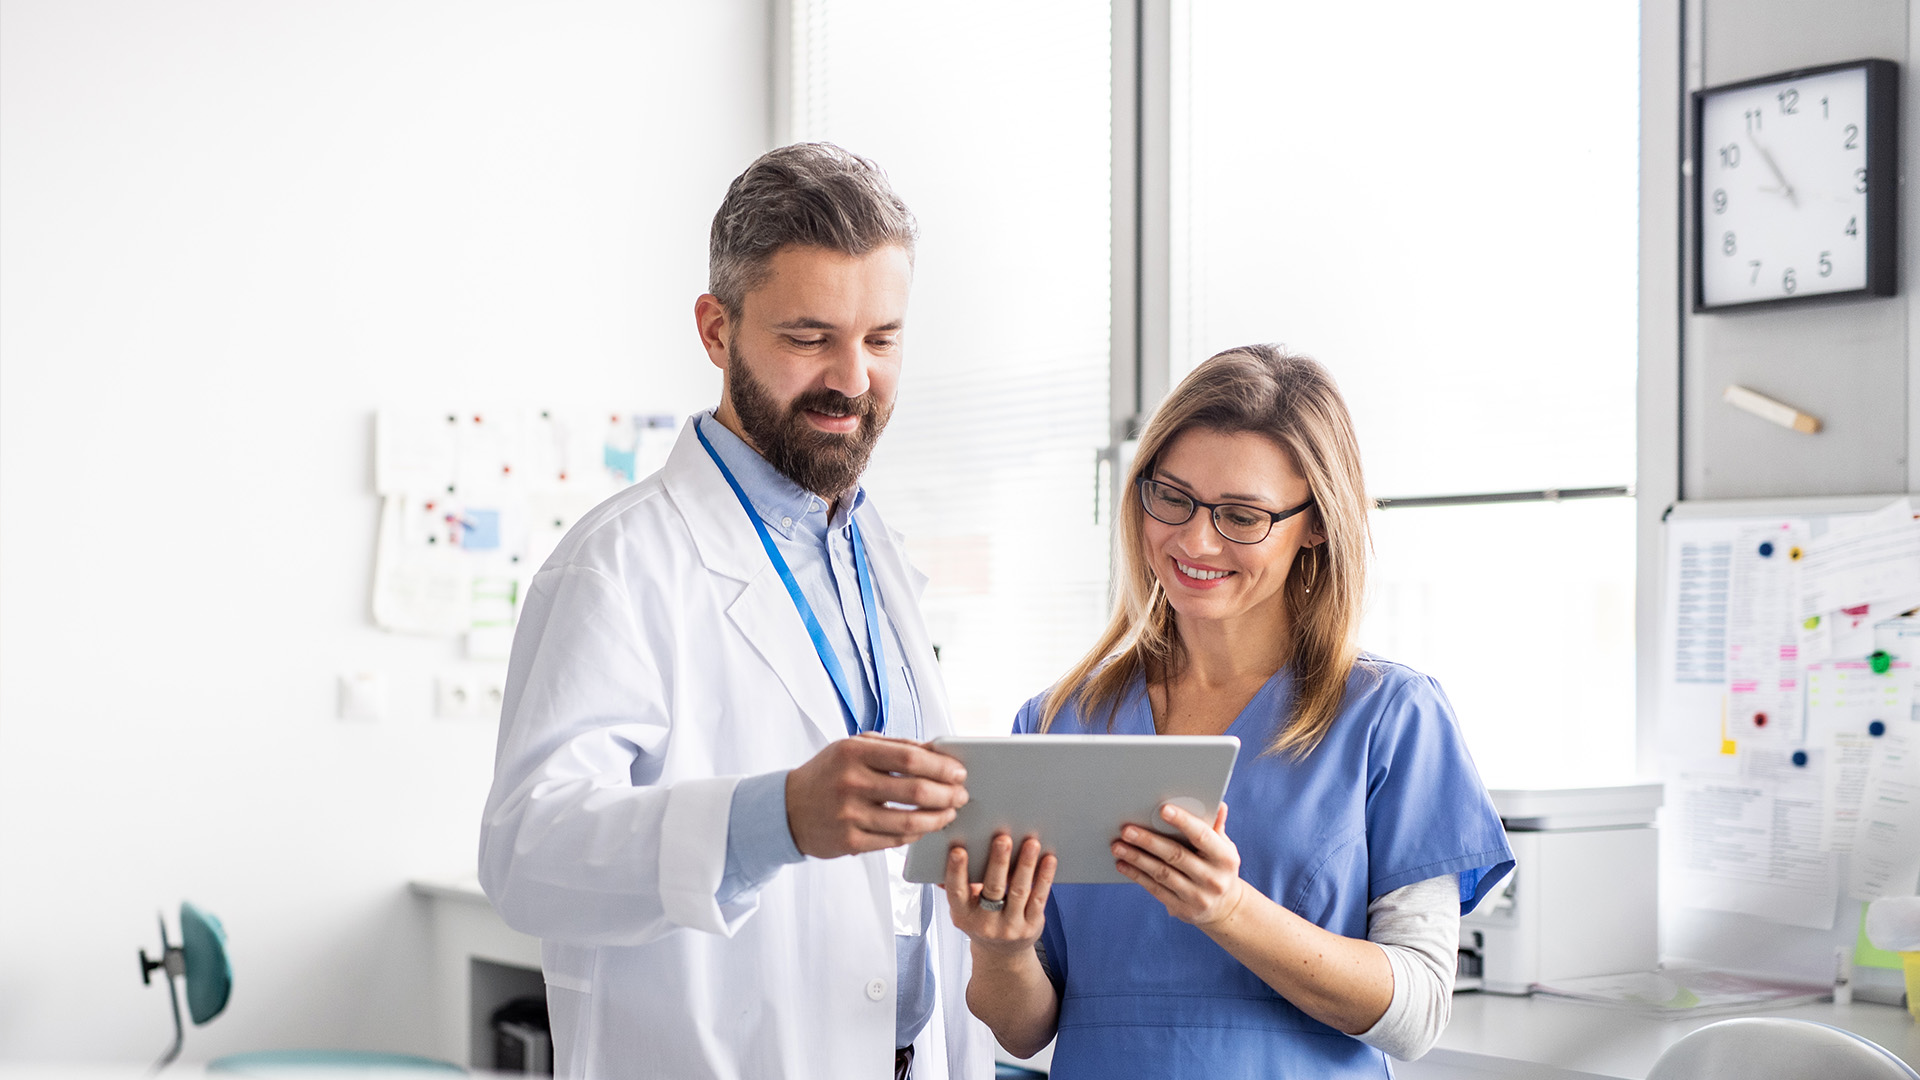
(993, 122)
(1440, 205)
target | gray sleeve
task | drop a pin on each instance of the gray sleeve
(1418, 927)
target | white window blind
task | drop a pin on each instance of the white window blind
(1438, 201)
(992, 120)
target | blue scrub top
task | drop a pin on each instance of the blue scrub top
(1389, 798)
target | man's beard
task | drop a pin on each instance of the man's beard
(822, 462)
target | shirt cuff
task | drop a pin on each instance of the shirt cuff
(759, 842)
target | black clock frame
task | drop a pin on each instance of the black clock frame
(1883, 183)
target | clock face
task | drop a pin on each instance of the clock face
(1783, 177)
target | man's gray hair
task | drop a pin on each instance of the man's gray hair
(814, 194)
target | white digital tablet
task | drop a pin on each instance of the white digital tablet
(1074, 792)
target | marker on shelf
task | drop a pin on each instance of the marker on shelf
(1770, 410)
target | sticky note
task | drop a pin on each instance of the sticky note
(1864, 953)
(480, 530)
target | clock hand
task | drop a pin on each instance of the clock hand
(1768, 158)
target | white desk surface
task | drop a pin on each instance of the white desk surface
(1494, 1035)
(1491, 1035)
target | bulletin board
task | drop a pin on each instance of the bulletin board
(474, 500)
(1788, 737)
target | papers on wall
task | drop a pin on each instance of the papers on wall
(1873, 558)
(1752, 845)
(1886, 856)
(1798, 763)
(1693, 652)
(1763, 650)
(1698, 608)
(474, 502)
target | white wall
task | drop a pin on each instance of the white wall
(228, 232)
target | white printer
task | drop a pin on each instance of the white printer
(1584, 899)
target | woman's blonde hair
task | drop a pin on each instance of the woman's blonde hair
(1262, 390)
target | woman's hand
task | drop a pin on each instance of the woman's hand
(1022, 888)
(1198, 881)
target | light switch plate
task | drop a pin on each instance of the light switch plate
(363, 696)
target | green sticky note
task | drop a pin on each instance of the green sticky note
(1864, 953)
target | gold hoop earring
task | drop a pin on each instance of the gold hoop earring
(1309, 570)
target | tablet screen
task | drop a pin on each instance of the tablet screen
(1074, 792)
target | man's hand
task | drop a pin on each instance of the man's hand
(836, 803)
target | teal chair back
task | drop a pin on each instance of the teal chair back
(201, 961)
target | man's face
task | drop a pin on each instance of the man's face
(813, 361)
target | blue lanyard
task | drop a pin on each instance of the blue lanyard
(828, 658)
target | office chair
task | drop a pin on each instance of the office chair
(1776, 1048)
(201, 959)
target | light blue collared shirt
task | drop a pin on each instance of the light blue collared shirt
(818, 549)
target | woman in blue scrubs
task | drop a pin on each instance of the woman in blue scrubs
(1315, 934)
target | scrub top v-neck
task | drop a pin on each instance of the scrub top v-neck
(1389, 798)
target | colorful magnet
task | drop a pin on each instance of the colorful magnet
(1880, 661)
(1759, 719)
(1812, 622)
(1876, 729)
(1794, 553)
(1766, 549)
(1800, 759)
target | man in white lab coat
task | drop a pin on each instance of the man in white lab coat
(718, 692)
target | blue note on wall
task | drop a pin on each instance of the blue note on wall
(480, 530)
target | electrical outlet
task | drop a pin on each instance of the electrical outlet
(491, 692)
(455, 697)
(473, 694)
(363, 696)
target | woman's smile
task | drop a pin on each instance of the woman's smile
(1199, 576)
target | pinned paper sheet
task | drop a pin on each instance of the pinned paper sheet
(1876, 558)
(1848, 632)
(1763, 650)
(1886, 852)
(1851, 711)
(1752, 845)
(1848, 762)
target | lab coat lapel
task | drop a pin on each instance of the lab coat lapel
(763, 611)
(900, 585)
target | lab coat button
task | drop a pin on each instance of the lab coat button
(786, 523)
(876, 989)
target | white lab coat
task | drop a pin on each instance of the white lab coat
(659, 660)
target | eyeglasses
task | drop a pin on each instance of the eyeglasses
(1240, 524)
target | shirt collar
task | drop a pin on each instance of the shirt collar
(784, 505)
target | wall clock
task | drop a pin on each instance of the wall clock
(1795, 186)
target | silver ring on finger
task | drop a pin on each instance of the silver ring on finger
(993, 905)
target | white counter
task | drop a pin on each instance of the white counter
(479, 963)
(1544, 1038)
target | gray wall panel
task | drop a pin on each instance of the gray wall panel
(1745, 39)
(1842, 361)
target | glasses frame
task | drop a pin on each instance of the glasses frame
(1213, 511)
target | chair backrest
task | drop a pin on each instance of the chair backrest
(209, 972)
(1776, 1048)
